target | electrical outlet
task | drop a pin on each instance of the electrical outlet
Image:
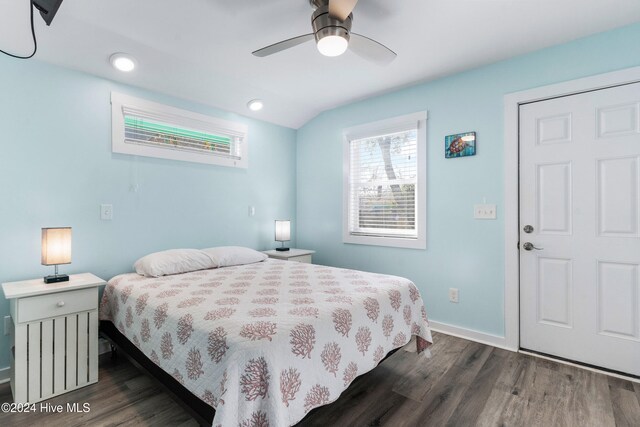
(7, 325)
(453, 295)
(484, 211)
(106, 212)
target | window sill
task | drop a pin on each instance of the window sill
(419, 243)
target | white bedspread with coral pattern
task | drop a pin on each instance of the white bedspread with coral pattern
(265, 343)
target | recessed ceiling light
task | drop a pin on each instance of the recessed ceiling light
(255, 105)
(123, 62)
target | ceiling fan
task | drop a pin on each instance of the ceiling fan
(331, 22)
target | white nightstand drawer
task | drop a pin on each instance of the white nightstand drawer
(297, 255)
(57, 304)
(304, 258)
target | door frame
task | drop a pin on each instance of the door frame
(512, 102)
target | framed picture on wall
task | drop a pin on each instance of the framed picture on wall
(460, 145)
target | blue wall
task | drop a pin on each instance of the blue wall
(56, 168)
(461, 252)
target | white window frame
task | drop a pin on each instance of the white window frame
(180, 118)
(396, 124)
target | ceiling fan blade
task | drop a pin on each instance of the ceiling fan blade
(341, 9)
(371, 50)
(283, 45)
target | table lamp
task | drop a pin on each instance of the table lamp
(56, 250)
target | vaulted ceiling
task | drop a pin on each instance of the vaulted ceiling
(201, 49)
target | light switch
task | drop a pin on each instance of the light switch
(106, 212)
(484, 211)
(252, 211)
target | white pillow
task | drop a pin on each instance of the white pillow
(173, 261)
(226, 256)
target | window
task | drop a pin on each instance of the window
(145, 128)
(385, 183)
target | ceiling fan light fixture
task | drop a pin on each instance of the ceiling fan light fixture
(331, 22)
(332, 45)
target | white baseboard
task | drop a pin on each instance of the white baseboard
(471, 335)
(5, 375)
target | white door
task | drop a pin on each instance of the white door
(580, 194)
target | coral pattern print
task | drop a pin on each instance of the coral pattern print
(266, 343)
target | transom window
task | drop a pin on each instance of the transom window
(145, 128)
(384, 183)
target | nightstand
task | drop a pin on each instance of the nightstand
(54, 341)
(298, 255)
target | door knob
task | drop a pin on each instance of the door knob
(528, 246)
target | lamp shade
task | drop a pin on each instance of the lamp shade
(283, 231)
(56, 246)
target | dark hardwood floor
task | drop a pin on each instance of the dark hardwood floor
(463, 384)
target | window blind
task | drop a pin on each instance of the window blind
(178, 133)
(141, 127)
(383, 179)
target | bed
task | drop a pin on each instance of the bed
(263, 343)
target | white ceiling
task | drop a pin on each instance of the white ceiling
(201, 49)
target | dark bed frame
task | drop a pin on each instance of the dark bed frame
(201, 411)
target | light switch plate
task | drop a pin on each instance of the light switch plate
(484, 211)
(106, 212)
(454, 295)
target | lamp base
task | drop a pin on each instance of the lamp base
(56, 278)
(282, 249)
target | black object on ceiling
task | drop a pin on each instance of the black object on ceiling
(48, 10)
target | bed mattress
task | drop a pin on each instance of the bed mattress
(265, 343)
